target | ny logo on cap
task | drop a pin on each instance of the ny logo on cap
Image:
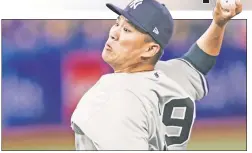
(135, 3)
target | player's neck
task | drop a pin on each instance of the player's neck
(133, 69)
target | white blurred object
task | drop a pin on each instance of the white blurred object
(22, 98)
(227, 4)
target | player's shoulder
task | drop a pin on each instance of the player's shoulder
(162, 65)
(126, 81)
(142, 84)
(119, 83)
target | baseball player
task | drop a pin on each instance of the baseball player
(147, 104)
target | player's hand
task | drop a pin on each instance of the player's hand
(221, 16)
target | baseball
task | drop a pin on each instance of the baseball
(227, 4)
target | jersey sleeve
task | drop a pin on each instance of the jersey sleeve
(121, 125)
(186, 75)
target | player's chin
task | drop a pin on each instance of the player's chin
(106, 56)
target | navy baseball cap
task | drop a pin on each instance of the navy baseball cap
(150, 16)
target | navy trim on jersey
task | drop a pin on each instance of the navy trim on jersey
(202, 78)
(204, 88)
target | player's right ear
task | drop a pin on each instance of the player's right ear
(151, 51)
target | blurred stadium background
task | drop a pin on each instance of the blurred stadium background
(47, 65)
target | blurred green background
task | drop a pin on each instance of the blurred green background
(221, 134)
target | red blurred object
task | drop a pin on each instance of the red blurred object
(80, 71)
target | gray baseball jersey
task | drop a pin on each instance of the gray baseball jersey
(152, 110)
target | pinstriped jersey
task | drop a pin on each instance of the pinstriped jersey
(152, 110)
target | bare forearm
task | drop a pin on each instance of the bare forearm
(210, 42)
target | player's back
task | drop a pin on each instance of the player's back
(169, 107)
(153, 100)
